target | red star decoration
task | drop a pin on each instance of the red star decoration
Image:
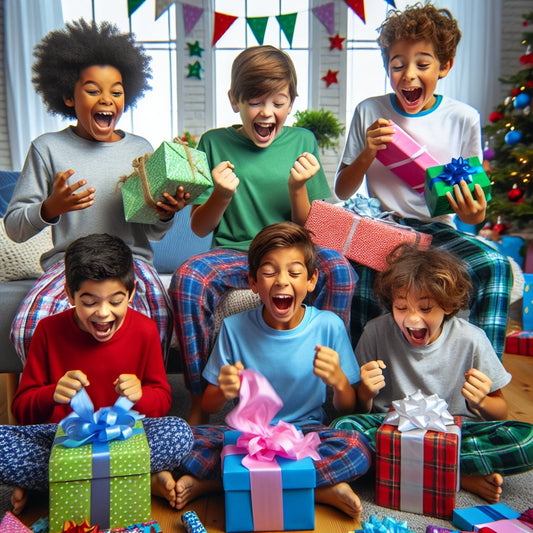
(331, 77)
(336, 42)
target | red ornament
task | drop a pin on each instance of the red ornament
(495, 116)
(529, 83)
(515, 91)
(526, 59)
(331, 77)
(498, 228)
(336, 42)
(516, 194)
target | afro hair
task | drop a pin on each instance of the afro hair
(63, 54)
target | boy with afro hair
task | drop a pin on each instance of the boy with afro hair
(89, 73)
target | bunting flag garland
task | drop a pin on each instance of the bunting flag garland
(336, 42)
(161, 6)
(191, 14)
(326, 14)
(258, 26)
(331, 77)
(222, 22)
(358, 7)
(133, 5)
(391, 3)
(287, 23)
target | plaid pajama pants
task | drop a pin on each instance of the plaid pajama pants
(344, 455)
(504, 446)
(200, 283)
(48, 297)
(489, 271)
(26, 450)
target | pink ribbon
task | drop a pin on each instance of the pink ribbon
(261, 442)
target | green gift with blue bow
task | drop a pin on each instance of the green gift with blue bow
(441, 178)
(105, 482)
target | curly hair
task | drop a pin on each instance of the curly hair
(435, 271)
(421, 23)
(63, 54)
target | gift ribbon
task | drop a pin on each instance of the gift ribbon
(416, 155)
(85, 426)
(458, 170)
(414, 415)
(364, 206)
(139, 165)
(388, 525)
(261, 442)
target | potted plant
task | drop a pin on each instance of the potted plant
(323, 123)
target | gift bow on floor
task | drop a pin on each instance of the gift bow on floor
(257, 407)
(85, 425)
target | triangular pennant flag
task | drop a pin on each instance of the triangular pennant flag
(161, 6)
(391, 3)
(287, 23)
(326, 15)
(191, 14)
(258, 26)
(222, 23)
(133, 5)
(359, 8)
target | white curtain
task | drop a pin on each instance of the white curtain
(474, 76)
(26, 23)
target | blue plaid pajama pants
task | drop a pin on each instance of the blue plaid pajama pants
(489, 271)
(48, 297)
(344, 455)
(200, 283)
(26, 450)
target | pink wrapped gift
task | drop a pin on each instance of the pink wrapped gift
(407, 159)
(11, 524)
(505, 526)
(365, 240)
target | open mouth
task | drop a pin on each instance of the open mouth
(103, 119)
(264, 130)
(412, 95)
(418, 334)
(282, 302)
(102, 329)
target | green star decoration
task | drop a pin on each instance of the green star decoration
(195, 49)
(194, 70)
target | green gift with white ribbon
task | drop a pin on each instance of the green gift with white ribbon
(171, 165)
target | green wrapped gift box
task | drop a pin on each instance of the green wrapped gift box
(441, 179)
(106, 483)
(170, 166)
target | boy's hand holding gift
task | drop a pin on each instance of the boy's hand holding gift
(129, 385)
(70, 384)
(469, 209)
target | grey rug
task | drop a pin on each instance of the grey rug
(517, 490)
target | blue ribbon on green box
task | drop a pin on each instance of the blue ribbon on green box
(456, 171)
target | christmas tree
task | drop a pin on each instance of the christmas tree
(509, 144)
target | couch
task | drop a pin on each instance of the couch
(19, 267)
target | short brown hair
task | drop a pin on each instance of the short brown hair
(260, 70)
(421, 23)
(281, 235)
(436, 271)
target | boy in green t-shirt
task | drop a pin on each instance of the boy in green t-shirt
(263, 172)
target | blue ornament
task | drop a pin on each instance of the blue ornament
(512, 137)
(521, 100)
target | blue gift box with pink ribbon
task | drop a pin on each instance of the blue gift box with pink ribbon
(99, 467)
(267, 469)
(441, 179)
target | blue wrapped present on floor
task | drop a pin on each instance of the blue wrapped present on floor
(466, 519)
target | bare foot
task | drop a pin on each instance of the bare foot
(197, 416)
(19, 498)
(188, 488)
(488, 487)
(164, 486)
(342, 497)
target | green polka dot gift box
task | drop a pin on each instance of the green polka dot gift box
(107, 483)
(171, 165)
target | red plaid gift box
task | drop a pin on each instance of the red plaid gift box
(365, 240)
(416, 468)
(519, 342)
(407, 159)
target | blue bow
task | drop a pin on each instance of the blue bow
(83, 425)
(455, 172)
(361, 205)
(388, 525)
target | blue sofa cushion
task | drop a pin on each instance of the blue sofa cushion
(7, 184)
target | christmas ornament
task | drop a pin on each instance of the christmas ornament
(515, 91)
(194, 70)
(526, 59)
(522, 100)
(488, 154)
(330, 77)
(336, 42)
(516, 194)
(495, 116)
(512, 137)
(195, 49)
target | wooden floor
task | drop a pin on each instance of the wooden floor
(210, 509)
